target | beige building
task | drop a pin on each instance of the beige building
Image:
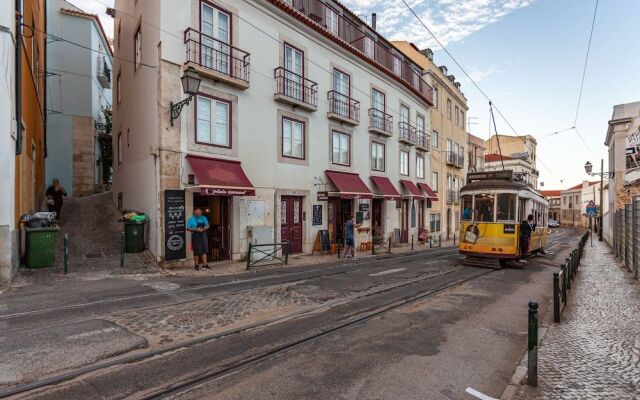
(517, 151)
(475, 154)
(448, 140)
(574, 202)
(623, 141)
(555, 200)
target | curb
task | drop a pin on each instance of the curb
(518, 378)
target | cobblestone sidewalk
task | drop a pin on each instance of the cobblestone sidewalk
(594, 352)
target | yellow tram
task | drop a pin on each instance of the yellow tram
(492, 206)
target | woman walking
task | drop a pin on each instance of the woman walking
(198, 226)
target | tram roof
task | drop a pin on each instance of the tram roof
(497, 184)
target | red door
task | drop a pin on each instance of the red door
(291, 222)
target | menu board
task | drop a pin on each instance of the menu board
(174, 225)
(317, 215)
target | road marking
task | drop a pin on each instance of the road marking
(92, 333)
(479, 395)
(389, 271)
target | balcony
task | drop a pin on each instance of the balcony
(104, 72)
(454, 159)
(380, 122)
(343, 108)
(453, 196)
(295, 90)
(422, 140)
(217, 60)
(407, 133)
(373, 47)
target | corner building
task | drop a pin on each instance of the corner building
(304, 115)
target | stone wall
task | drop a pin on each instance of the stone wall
(83, 156)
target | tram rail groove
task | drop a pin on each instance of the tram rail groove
(437, 253)
(128, 359)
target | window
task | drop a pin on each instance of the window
(378, 105)
(449, 108)
(483, 208)
(420, 167)
(294, 72)
(419, 123)
(435, 181)
(435, 97)
(506, 207)
(119, 88)
(369, 50)
(434, 222)
(404, 162)
(467, 207)
(462, 119)
(213, 125)
(342, 89)
(397, 66)
(377, 156)
(332, 20)
(435, 139)
(404, 114)
(564, 200)
(341, 148)
(120, 148)
(137, 47)
(214, 44)
(457, 116)
(292, 138)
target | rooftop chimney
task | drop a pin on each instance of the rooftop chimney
(374, 17)
(452, 78)
(443, 69)
(427, 53)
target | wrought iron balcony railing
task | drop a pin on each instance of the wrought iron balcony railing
(407, 132)
(290, 85)
(216, 55)
(380, 122)
(343, 106)
(104, 72)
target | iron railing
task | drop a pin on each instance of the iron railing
(216, 55)
(453, 196)
(407, 132)
(422, 140)
(455, 159)
(343, 106)
(104, 72)
(295, 86)
(372, 45)
(267, 254)
(626, 235)
(381, 121)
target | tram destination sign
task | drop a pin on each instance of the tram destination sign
(506, 175)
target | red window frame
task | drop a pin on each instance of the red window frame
(230, 122)
(304, 138)
(384, 156)
(350, 144)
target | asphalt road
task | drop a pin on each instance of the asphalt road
(412, 326)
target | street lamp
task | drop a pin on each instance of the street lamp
(588, 167)
(190, 85)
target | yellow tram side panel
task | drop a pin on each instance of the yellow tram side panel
(493, 240)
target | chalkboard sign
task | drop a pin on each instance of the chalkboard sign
(174, 225)
(324, 240)
(317, 215)
(359, 217)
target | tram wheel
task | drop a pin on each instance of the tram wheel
(503, 262)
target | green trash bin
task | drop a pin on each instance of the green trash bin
(134, 236)
(40, 247)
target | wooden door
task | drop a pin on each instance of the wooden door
(376, 219)
(404, 218)
(291, 222)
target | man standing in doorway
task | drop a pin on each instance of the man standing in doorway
(526, 229)
(198, 225)
(349, 239)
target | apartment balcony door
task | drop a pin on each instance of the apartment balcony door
(294, 73)
(378, 105)
(342, 87)
(291, 222)
(215, 50)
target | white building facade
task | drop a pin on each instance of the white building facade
(79, 88)
(8, 127)
(304, 116)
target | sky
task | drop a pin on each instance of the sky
(528, 57)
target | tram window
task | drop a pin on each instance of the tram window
(467, 207)
(506, 207)
(484, 208)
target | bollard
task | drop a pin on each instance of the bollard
(249, 255)
(122, 250)
(454, 239)
(532, 359)
(66, 253)
(286, 253)
(430, 242)
(568, 270)
(556, 297)
(389, 244)
(338, 245)
(411, 242)
(373, 247)
(564, 283)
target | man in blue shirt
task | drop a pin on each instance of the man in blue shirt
(198, 225)
(349, 239)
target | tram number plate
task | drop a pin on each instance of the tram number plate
(509, 228)
(470, 237)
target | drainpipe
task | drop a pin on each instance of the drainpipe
(44, 72)
(18, 77)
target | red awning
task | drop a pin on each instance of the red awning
(412, 189)
(385, 187)
(427, 190)
(220, 177)
(349, 185)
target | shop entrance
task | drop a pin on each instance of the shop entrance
(404, 221)
(291, 222)
(376, 219)
(340, 210)
(217, 209)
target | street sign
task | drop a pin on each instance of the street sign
(592, 211)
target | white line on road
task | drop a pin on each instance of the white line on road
(479, 395)
(389, 271)
(92, 333)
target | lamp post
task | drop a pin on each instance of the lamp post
(190, 85)
(588, 167)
